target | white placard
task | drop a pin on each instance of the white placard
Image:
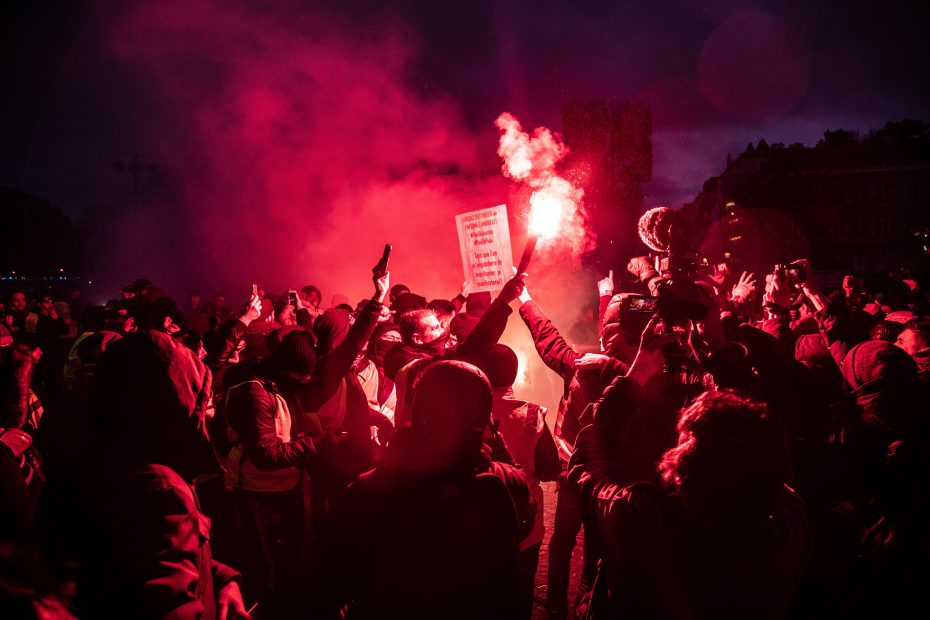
(484, 240)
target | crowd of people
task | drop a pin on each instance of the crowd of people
(741, 449)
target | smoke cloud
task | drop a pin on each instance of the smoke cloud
(299, 147)
(557, 214)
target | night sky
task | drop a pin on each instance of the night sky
(335, 113)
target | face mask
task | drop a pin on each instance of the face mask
(439, 345)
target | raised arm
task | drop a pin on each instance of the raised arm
(492, 324)
(333, 366)
(555, 352)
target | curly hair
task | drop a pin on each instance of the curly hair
(731, 460)
(16, 364)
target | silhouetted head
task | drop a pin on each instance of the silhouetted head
(730, 463)
(500, 364)
(149, 401)
(451, 409)
(295, 357)
(330, 329)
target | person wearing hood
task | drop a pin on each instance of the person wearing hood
(350, 411)
(433, 532)
(273, 428)
(522, 425)
(884, 443)
(266, 469)
(134, 526)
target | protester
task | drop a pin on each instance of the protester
(733, 449)
(433, 531)
(132, 521)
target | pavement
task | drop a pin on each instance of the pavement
(539, 612)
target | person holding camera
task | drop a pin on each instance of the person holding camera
(715, 534)
(584, 377)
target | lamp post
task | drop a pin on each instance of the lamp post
(135, 166)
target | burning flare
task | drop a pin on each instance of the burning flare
(556, 214)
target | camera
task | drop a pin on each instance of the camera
(793, 272)
(670, 236)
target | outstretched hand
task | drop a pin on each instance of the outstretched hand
(744, 287)
(253, 310)
(777, 290)
(719, 273)
(605, 286)
(649, 357)
(382, 285)
(513, 288)
(591, 361)
(229, 603)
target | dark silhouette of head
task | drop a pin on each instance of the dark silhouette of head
(451, 409)
(149, 401)
(730, 463)
(500, 364)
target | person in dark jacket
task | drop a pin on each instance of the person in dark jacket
(133, 523)
(585, 377)
(266, 469)
(717, 535)
(432, 533)
(345, 413)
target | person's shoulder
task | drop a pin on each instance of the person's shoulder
(249, 387)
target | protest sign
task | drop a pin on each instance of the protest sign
(484, 240)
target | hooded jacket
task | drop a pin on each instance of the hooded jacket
(432, 533)
(134, 524)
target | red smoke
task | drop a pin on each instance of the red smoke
(302, 147)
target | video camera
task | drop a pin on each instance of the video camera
(670, 237)
(793, 273)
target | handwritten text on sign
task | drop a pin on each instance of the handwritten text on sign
(484, 240)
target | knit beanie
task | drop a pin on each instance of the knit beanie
(500, 364)
(330, 329)
(406, 302)
(295, 353)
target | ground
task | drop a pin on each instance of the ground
(539, 612)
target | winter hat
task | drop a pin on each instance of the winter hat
(451, 401)
(406, 302)
(884, 381)
(330, 329)
(478, 303)
(295, 353)
(500, 364)
(811, 348)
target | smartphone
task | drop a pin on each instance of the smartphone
(292, 298)
(254, 290)
(381, 268)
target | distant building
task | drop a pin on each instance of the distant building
(849, 203)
